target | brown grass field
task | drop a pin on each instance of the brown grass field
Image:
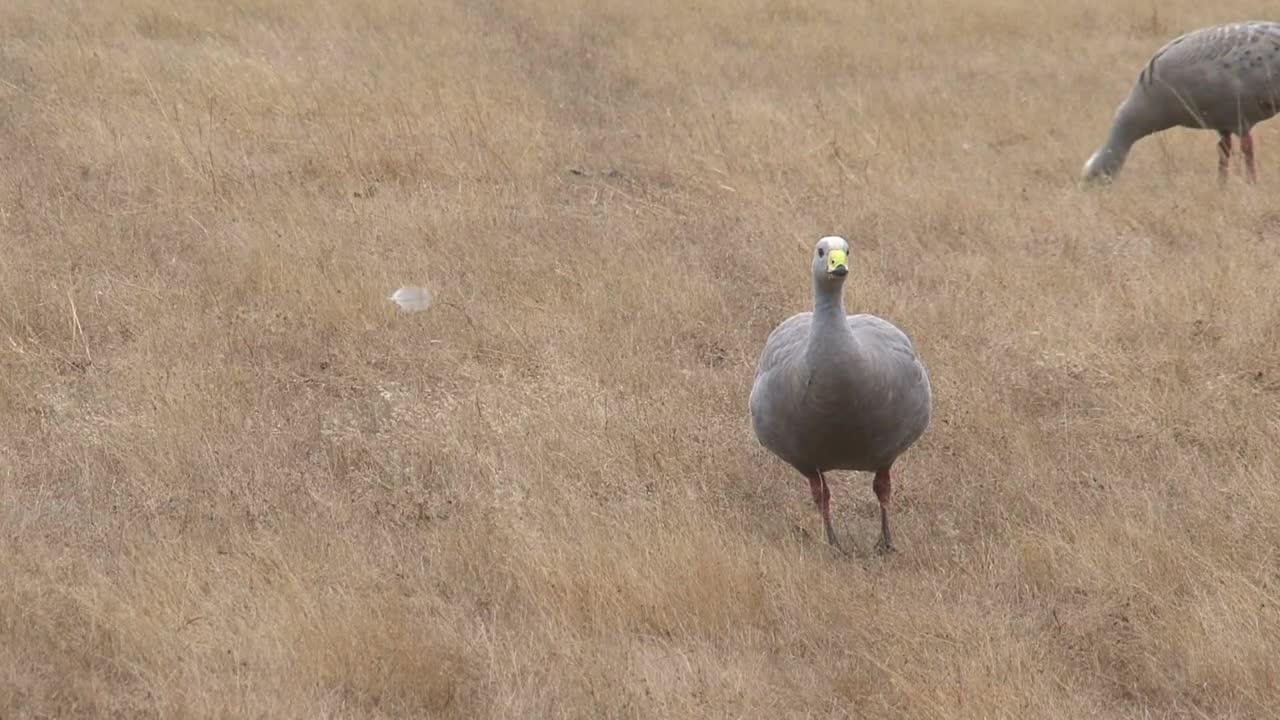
(236, 482)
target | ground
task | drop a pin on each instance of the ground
(236, 482)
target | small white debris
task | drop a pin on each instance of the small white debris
(411, 299)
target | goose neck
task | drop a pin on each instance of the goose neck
(828, 306)
(1131, 123)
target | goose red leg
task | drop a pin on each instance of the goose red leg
(1246, 147)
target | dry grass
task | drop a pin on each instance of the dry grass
(235, 483)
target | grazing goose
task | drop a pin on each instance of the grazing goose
(839, 392)
(1224, 78)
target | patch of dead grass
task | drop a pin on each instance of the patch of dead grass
(234, 482)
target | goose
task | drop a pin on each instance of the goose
(839, 392)
(1224, 78)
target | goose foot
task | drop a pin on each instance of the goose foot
(835, 544)
(885, 547)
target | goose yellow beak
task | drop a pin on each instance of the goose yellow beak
(837, 263)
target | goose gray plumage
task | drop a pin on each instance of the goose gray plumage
(839, 392)
(1224, 78)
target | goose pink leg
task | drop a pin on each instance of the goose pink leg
(1224, 155)
(883, 485)
(822, 498)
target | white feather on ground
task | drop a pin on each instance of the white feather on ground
(411, 299)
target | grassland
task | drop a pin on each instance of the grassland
(234, 482)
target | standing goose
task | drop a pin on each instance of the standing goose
(1224, 78)
(839, 392)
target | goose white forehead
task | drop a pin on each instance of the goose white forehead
(832, 242)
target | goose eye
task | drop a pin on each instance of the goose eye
(821, 252)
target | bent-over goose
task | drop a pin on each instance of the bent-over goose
(839, 392)
(1224, 78)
